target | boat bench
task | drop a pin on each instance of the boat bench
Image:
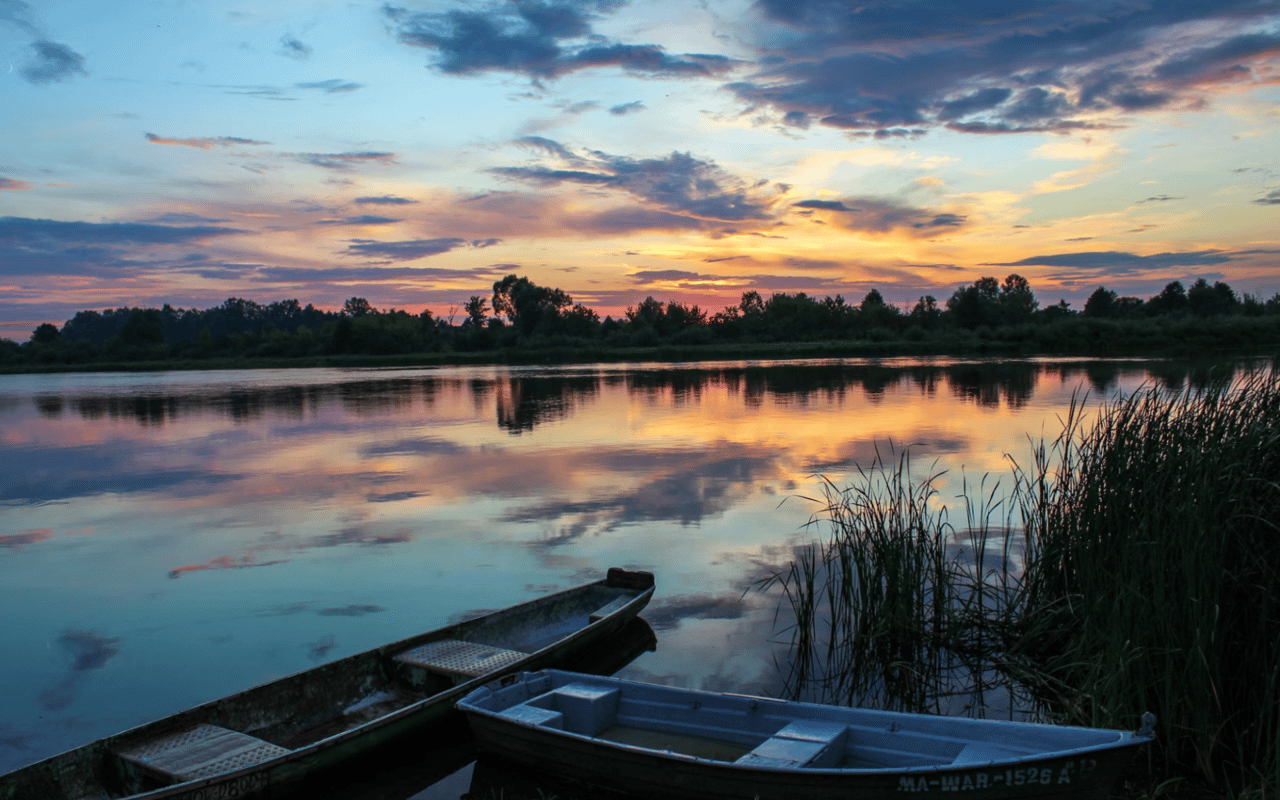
(576, 708)
(983, 753)
(804, 743)
(617, 604)
(204, 751)
(458, 658)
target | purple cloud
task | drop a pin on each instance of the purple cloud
(1004, 66)
(541, 41)
(404, 251)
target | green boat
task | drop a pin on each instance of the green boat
(264, 741)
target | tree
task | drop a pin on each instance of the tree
(45, 333)
(1101, 304)
(143, 327)
(477, 312)
(872, 301)
(1210, 301)
(1017, 301)
(1058, 311)
(751, 303)
(976, 305)
(529, 307)
(1171, 300)
(926, 312)
(358, 307)
(648, 311)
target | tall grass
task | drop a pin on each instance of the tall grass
(1145, 577)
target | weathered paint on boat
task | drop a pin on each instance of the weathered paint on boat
(669, 742)
(325, 716)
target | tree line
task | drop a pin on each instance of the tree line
(521, 315)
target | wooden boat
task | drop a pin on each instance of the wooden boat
(264, 740)
(658, 741)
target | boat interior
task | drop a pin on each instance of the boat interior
(278, 718)
(770, 733)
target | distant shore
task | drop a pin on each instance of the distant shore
(959, 347)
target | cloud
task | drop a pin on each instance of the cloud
(41, 232)
(657, 275)
(16, 541)
(669, 612)
(404, 251)
(385, 200)
(223, 562)
(1120, 263)
(332, 86)
(53, 63)
(829, 205)
(363, 219)
(292, 48)
(350, 611)
(1272, 198)
(883, 215)
(320, 648)
(13, 185)
(18, 14)
(680, 185)
(87, 649)
(44, 246)
(538, 40)
(204, 142)
(1163, 198)
(1005, 66)
(622, 109)
(344, 161)
(376, 274)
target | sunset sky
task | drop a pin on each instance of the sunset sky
(413, 153)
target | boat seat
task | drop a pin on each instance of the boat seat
(587, 710)
(614, 605)
(803, 743)
(199, 753)
(532, 715)
(455, 657)
(983, 753)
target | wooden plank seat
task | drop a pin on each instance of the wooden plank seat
(605, 610)
(201, 752)
(455, 657)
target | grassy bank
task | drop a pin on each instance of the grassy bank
(1142, 574)
(962, 344)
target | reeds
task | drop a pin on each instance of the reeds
(1135, 567)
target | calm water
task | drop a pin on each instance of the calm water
(167, 539)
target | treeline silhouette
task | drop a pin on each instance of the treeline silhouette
(521, 316)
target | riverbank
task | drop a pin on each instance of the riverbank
(960, 346)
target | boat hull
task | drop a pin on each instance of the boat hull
(526, 739)
(315, 717)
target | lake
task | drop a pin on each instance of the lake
(170, 538)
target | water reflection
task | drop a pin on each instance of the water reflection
(520, 403)
(171, 517)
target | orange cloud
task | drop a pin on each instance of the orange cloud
(203, 142)
(223, 562)
(15, 541)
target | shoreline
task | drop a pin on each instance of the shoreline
(657, 353)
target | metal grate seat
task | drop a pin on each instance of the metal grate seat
(201, 752)
(454, 657)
